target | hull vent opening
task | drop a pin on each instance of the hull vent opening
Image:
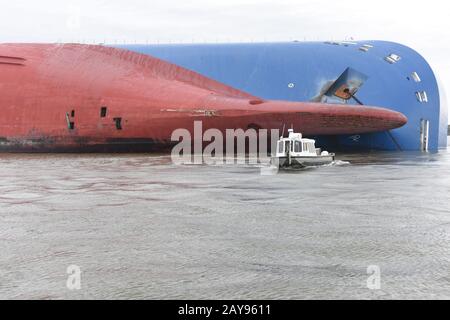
(422, 96)
(118, 122)
(415, 77)
(366, 48)
(103, 112)
(424, 135)
(70, 122)
(393, 58)
(14, 61)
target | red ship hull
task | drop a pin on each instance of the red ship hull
(80, 98)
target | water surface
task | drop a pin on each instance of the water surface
(140, 227)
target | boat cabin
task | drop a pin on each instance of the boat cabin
(296, 146)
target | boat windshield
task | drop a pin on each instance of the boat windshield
(280, 147)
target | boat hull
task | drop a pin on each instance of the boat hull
(302, 162)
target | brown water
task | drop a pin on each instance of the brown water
(140, 227)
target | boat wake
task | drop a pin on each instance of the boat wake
(338, 163)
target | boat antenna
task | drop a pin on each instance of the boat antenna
(284, 127)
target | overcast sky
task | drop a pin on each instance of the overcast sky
(423, 25)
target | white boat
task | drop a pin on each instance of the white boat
(296, 152)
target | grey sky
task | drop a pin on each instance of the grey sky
(423, 25)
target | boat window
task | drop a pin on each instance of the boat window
(286, 146)
(280, 147)
(298, 147)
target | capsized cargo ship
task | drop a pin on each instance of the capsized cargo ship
(377, 73)
(88, 98)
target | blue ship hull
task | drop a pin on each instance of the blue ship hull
(393, 76)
